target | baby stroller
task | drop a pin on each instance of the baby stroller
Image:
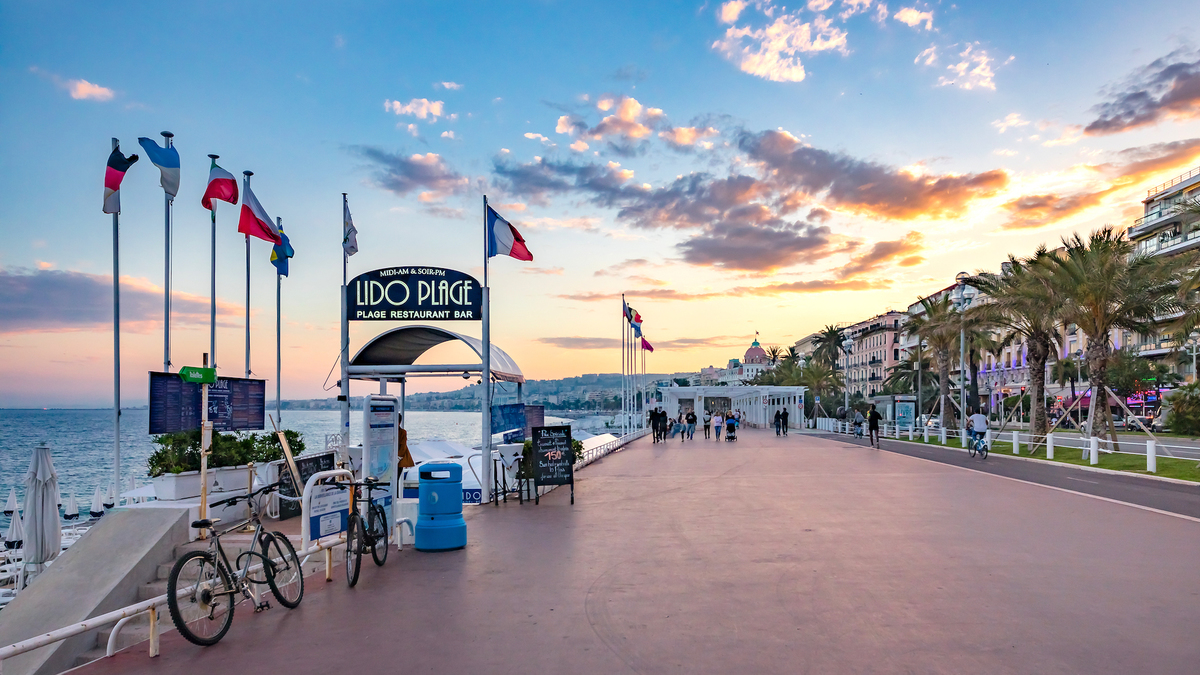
(858, 430)
(731, 430)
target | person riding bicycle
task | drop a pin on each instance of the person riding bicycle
(977, 425)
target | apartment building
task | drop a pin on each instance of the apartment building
(877, 348)
(805, 346)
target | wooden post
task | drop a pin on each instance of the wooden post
(153, 632)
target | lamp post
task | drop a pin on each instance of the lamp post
(962, 297)
(847, 345)
(920, 367)
(1193, 348)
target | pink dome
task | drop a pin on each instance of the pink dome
(755, 354)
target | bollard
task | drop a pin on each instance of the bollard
(1095, 451)
(1151, 458)
(962, 438)
(153, 632)
(925, 433)
(1016, 442)
(1050, 446)
(942, 435)
(987, 438)
(329, 564)
(910, 432)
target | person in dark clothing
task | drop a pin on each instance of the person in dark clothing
(783, 420)
(873, 418)
(690, 420)
(707, 423)
(778, 431)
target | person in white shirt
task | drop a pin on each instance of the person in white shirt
(718, 424)
(979, 425)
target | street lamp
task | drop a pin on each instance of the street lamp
(920, 367)
(962, 297)
(1193, 348)
(847, 345)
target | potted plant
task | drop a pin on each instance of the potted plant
(175, 464)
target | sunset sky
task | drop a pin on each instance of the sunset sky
(732, 167)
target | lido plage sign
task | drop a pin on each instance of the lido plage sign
(414, 294)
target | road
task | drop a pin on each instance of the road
(770, 555)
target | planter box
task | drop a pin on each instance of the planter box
(186, 485)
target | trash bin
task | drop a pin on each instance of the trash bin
(440, 524)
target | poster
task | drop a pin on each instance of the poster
(380, 438)
(906, 412)
(234, 404)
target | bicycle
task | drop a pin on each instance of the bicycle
(202, 586)
(978, 445)
(371, 535)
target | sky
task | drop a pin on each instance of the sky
(730, 167)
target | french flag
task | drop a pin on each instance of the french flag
(221, 185)
(254, 220)
(503, 238)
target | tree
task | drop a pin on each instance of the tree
(820, 379)
(938, 326)
(827, 346)
(1068, 369)
(1100, 283)
(1020, 304)
(1129, 374)
(774, 353)
(1184, 417)
(791, 355)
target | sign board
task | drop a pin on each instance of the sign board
(329, 512)
(381, 437)
(198, 375)
(509, 417)
(906, 413)
(553, 458)
(234, 404)
(306, 465)
(412, 294)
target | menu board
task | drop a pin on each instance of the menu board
(308, 466)
(234, 404)
(553, 458)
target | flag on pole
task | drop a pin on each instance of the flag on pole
(647, 346)
(503, 238)
(167, 161)
(281, 252)
(254, 220)
(221, 185)
(118, 164)
(349, 232)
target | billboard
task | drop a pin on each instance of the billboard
(234, 404)
(414, 294)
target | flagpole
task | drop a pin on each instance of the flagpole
(167, 136)
(624, 359)
(116, 344)
(246, 191)
(344, 396)
(487, 365)
(278, 338)
(212, 288)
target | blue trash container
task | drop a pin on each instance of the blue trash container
(440, 524)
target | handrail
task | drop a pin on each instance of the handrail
(1174, 181)
(306, 500)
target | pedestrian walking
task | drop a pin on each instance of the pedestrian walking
(707, 422)
(690, 420)
(783, 419)
(778, 430)
(718, 423)
(873, 418)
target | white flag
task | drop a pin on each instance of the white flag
(349, 234)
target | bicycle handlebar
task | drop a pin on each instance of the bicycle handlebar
(261, 490)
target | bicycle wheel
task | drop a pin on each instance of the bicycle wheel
(353, 548)
(378, 527)
(983, 450)
(285, 577)
(971, 448)
(205, 611)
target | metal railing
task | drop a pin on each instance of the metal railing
(1174, 181)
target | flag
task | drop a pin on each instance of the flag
(647, 346)
(349, 232)
(254, 220)
(221, 185)
(118, 164)
(167, 161)
(281, 252)
(626, 310)
(503, 238)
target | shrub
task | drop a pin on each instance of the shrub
(1184, 417)
(180, 451)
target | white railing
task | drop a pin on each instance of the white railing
(599, 451)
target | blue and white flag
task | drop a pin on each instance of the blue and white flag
(167, 161)
(281, 252)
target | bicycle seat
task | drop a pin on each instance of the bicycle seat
(205, 523)
(371, 479)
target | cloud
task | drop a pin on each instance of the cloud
(911, 17)
(626, 121)
(772, 52)
(1011, 120)
(570, 124)
(904, 252)
(864, 186)
(43, 265)
(403, 174)
(557, 271)
(1166, 89)
(448, 134)
(759, 248)
(578, 146)
(79, 89)
(852, 7)
(414, 130)
(40, 301)
(541, 178)
(680, 137)
(421, 108)
(819, 5)
(454, 86)
(677, 344)
(1033, 211)
(1070, 135)
(443, 212)
(974, 71)
(927, 57)
(583, 224)
(769, 290)
(537, 137)
(730, 11)
(576, 342)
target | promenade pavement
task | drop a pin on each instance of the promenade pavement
(770, 555)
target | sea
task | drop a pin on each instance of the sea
(81, 443)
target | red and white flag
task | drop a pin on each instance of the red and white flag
(254, 220)
(221, 185)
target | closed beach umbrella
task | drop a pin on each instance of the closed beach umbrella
(11, 504)
(71, 512)
(16, 533)
(97, 506)
(43, 530)
(111, 500)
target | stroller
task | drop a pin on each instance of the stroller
(731, 430)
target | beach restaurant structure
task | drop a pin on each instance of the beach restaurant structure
(757, 403)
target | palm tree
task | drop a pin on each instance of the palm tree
(1100, 283)
(938, 326)
(774, 354)
(828, 345)
(791, 355)
(1021, 305)
(820, 378)
(1067, 369)
(902, 377)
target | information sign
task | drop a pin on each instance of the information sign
(234, 404)
(329, 512)
(381, 420)
(307, 466)
(198, 375)
(414, 294)
(553, 458)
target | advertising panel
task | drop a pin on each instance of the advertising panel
(414, 294)
(381, 421)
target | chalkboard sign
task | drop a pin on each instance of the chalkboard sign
(234, 404)
(307, 465)
(553, 458)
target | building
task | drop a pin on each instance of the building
(877, 348)
(805, 346)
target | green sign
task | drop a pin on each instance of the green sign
(198, 375)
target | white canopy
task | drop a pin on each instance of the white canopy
(404, 345)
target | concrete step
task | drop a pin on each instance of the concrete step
(152, 590)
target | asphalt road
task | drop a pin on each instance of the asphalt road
(1155, 494)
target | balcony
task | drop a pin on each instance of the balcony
(875, 362)
(875, 378)
(1168, 244)
(1173, 182)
